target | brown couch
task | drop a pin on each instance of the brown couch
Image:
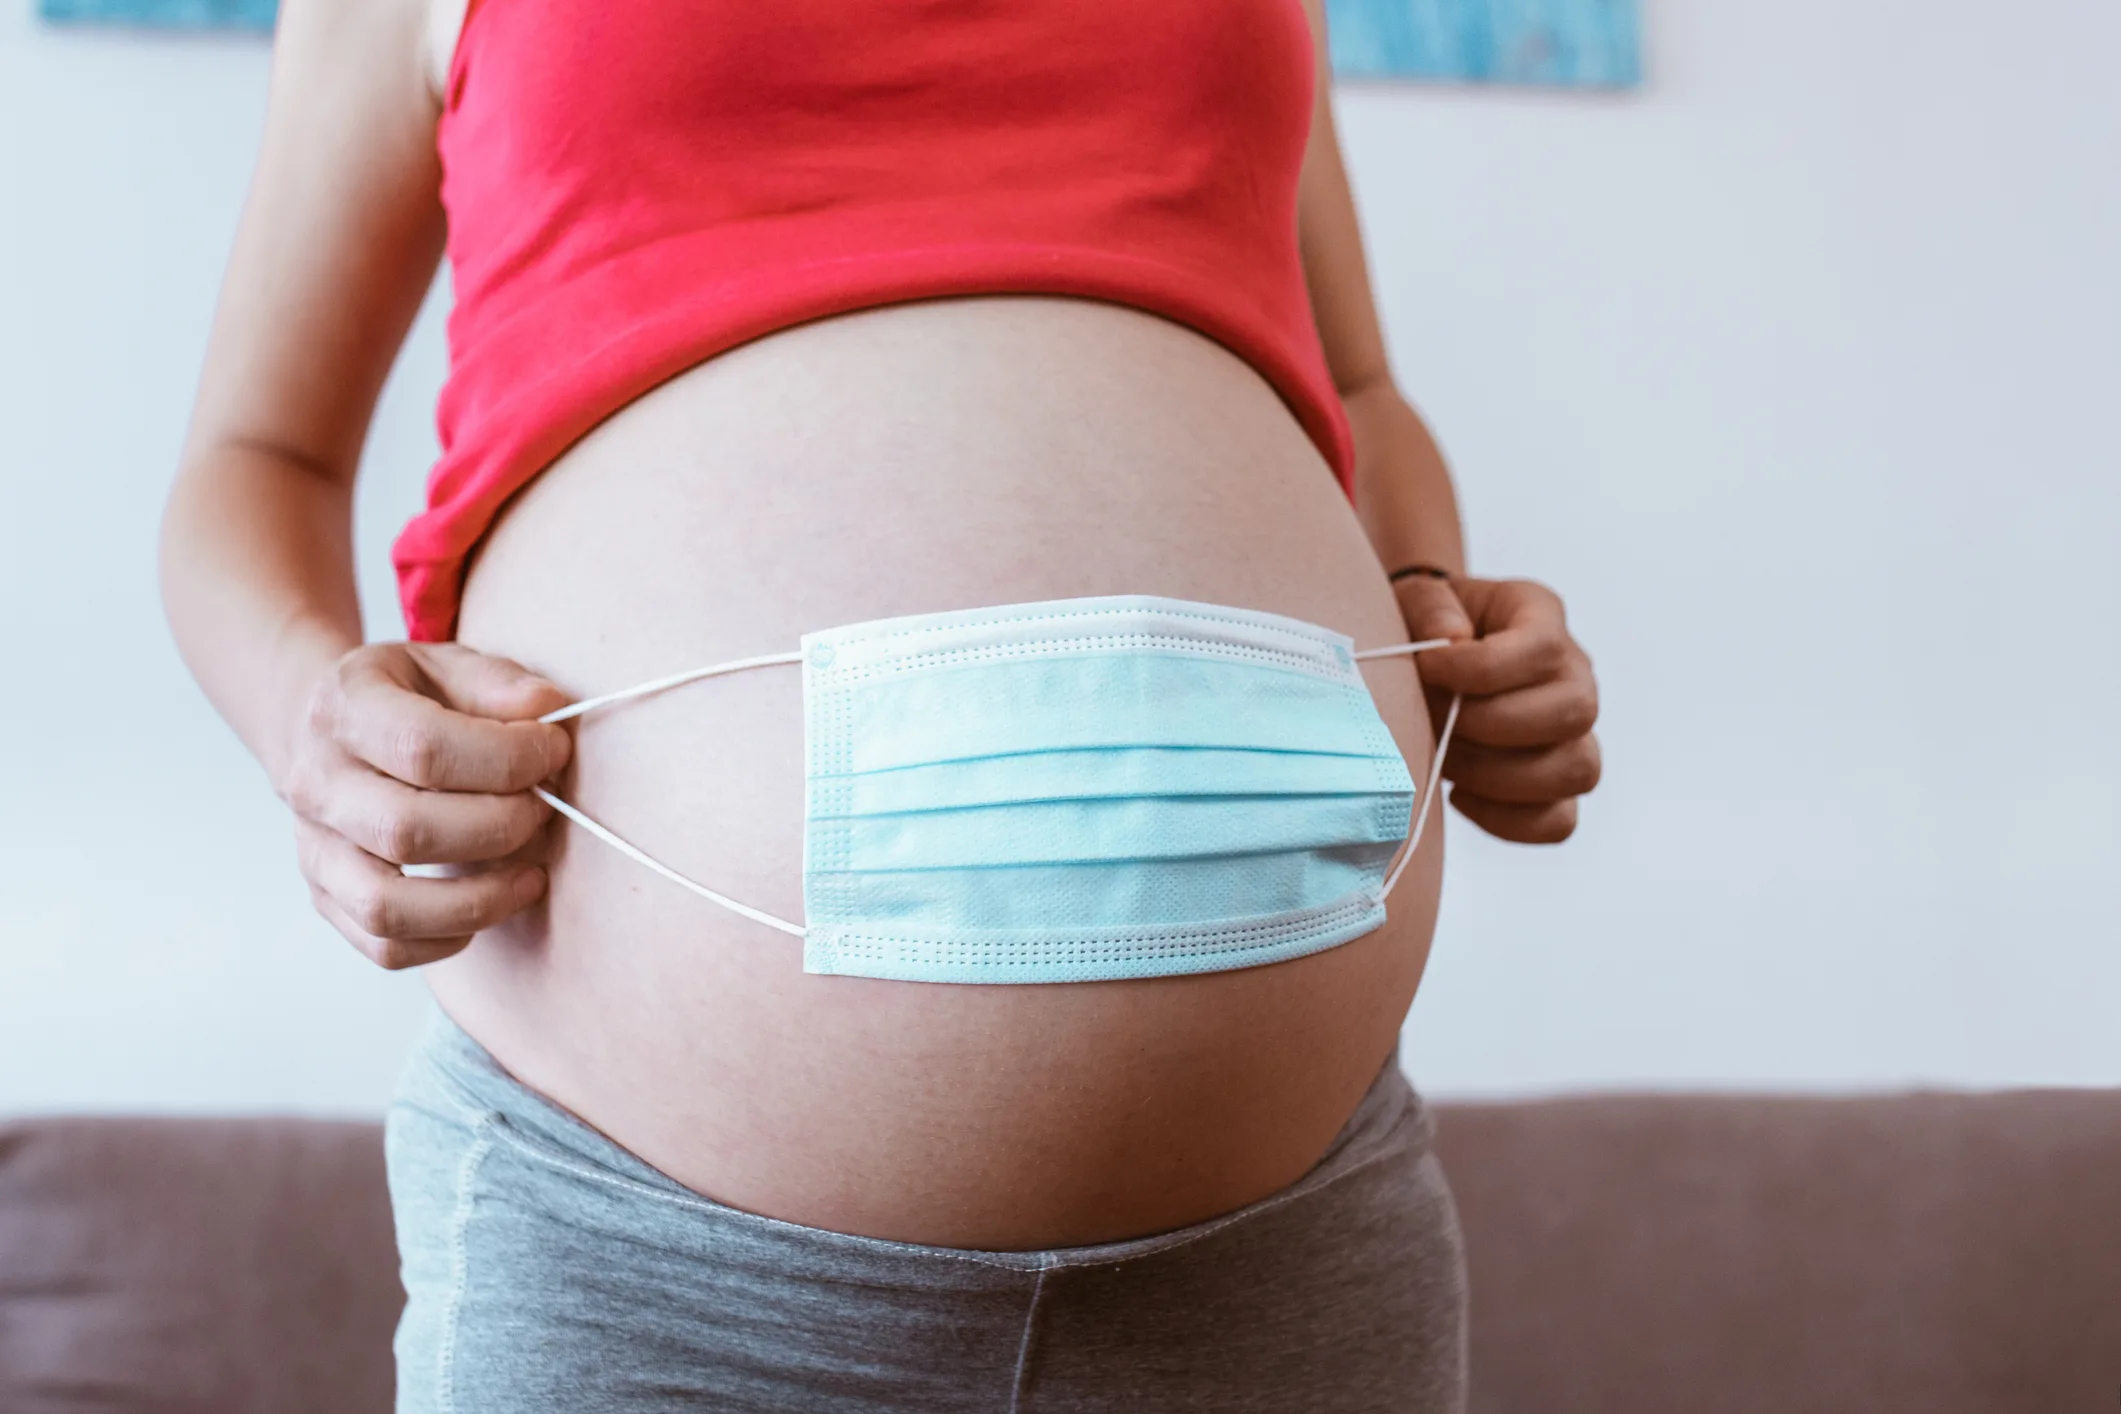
(1934, 1253)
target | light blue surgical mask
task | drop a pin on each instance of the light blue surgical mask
(1082, 789)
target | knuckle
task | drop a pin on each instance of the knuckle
(1550, 655)
(402, 837)
(530, 815)
(320, 715)
(344, 678)
(300, 789)
(1541, 594)
(1579, 713)
(418, 755)
(306, 850)
(480, 908)
(1580, 771)
(373, 657)
(513, 827)
(394, 955)
(374, 910)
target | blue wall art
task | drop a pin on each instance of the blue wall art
(164, 14)
(1564, 43)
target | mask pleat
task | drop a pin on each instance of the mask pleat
(1163, 699)
(1044, 897)
(1131, 828)
(1108, 773)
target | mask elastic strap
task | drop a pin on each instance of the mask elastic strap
(1443, 744)
(590, 704)
(627, 694)
(640, 857)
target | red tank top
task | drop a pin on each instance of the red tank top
(635, 187)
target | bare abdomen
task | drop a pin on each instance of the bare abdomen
(917, 458)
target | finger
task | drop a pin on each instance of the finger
(384, 903)
(1431, 609)
(485, 686)
(1536, 776)
(398, 823)
(390, 954)
(378, 719)
(1545, 715)
(1524, 640)
(1522, 824)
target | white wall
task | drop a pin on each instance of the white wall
(1797, 372)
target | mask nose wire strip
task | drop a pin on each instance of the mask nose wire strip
(1443, 744)
(768, 660)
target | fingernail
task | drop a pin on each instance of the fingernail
(530, 886)
(1449, 626)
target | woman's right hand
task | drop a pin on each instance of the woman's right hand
(421, 753)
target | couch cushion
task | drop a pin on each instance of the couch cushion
(1945, 1253)
(230, 1266)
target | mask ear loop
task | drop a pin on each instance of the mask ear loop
(734, 665)
(795, 930)
(638, 856)
(1443, 744)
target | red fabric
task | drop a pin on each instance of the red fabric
(634, 188)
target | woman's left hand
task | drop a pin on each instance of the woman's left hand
(1523, 751)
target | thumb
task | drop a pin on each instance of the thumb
(485, 686)
(1432, 609)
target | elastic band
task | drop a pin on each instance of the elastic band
(590, 704)
(1443, 742)
(1399, 649)
(734, 665)
(769, 660)
(640, 857)
(1428, 795)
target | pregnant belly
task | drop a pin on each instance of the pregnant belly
(923, 457)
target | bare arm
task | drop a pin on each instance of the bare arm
(337, 245)
(1403, 490)
(1524, 750)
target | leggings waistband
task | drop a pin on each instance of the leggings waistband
(452, 1072)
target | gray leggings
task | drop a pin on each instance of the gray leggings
(550, 1270)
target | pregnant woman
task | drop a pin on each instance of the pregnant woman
(983, 994)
